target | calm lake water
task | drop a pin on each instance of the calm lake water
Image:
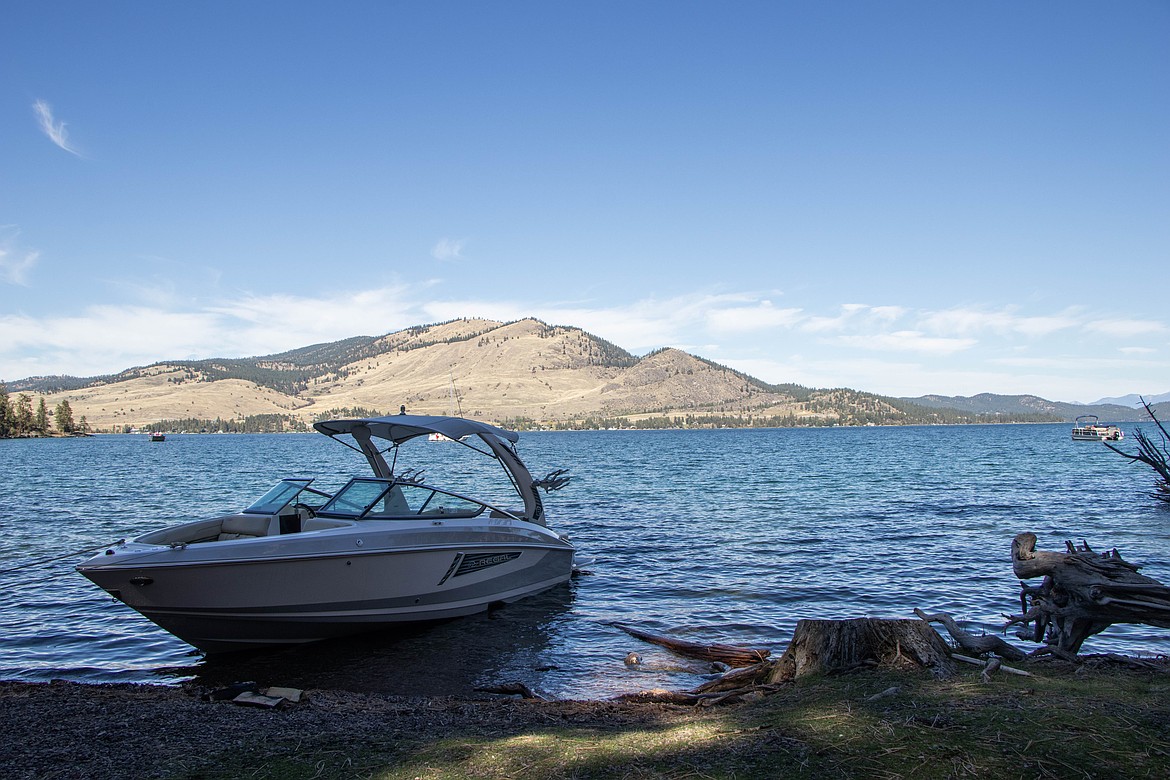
(716, 536)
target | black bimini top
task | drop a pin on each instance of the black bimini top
(402, 427)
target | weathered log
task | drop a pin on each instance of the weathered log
(727, 654)
(979, 645)
(887, 693)
(514, 689)
(662, 696)
(743, 677)
(829, 646)
(994, 664)
(1082, 594)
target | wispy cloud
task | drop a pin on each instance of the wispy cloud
(972, 321)
(1126, 328)
(758, 316)
(448, 249)
(908, 341)
(853, 316)
(15, 263)
(107, 338)
(52, 128)
(638, 326)
(964, 322)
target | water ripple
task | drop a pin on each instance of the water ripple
(720, 536)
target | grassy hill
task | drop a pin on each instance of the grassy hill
(522, 373)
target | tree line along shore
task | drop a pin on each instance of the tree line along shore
(19, 418)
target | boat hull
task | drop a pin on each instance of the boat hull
(225, 605)
(1101, 434)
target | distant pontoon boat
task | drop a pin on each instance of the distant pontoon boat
(1086, 428)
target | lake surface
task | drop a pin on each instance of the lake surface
(715, 536)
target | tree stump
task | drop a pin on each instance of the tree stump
(829, 646)
(1083, 593)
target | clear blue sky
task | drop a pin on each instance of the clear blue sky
(899, 197)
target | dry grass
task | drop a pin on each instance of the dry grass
(508, 371)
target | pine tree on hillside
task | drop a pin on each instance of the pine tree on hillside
(41, 418)
(22, 415)
(5, 413)
(63, 416)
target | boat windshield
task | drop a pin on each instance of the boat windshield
(382, 498)
(280, 496)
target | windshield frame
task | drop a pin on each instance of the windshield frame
(427, 507)
(287, 491)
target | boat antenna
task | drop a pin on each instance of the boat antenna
(453, 395)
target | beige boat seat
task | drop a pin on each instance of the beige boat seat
(243, 526)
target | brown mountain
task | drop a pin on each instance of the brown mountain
(481, 368)
(518, 373)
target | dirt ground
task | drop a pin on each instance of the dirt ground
(1103, 718)
(71, 730)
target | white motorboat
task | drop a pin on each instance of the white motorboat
(300, 564)
(1086, 428)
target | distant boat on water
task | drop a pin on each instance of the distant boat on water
(1086, 428)
(157, 436)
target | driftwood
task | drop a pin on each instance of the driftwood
(726, 654)
(746, 681)
(989, 666)
(1083, 593)
(661, 696)
(514, 689)
(744, 678)
(979, 645)
(701, 699)
(829, 646)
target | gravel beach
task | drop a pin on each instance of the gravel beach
(71, 730)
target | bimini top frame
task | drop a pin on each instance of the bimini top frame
(400, 428)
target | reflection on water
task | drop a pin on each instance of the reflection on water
(443, 659)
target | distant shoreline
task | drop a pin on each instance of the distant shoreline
(583, 430)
